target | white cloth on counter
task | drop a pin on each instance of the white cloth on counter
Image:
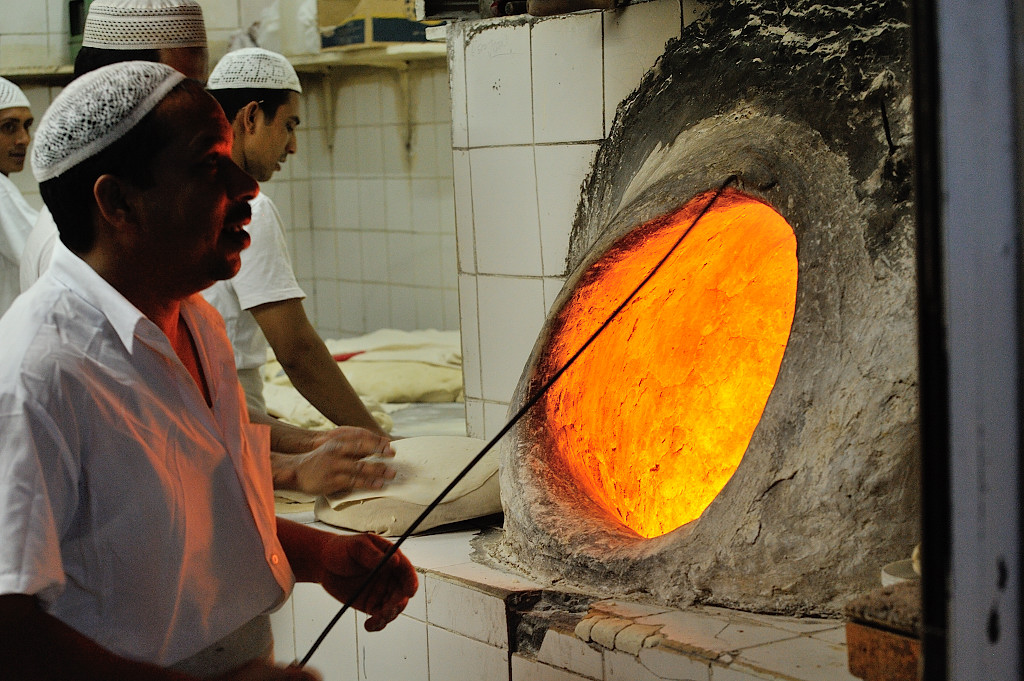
(16, 219)
(265, 276)
(132, 509)
(392, 366)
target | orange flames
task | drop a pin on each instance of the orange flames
(655, 416)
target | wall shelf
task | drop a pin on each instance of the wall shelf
(55, 75)
(395, 56)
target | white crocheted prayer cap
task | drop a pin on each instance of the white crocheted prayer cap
(253, 67)
(11, 95)
(95, 110)
(144, 24)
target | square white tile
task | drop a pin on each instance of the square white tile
(372, 197)
(463, 199)
(392, 102)
(422, 94)
(458, 658)
(375, 254)
(345, 152)
(436, 551)
(634, 38)
(424, 151)
(397, 652)
(282, 627)
(429, 308)
(511, 316)
(398, 204)
(25, 17)
(457, 84)
(475, 418)
(322, 203)
(568, 95)
(552, 288)
(370, 151)
(451, 309)
(467, 611)
(802, 658)
(403, 307)
(564, 650)
(561, 171)
(351, 312)
(498, 87)
(401, 259)
(427, 261)
(346, 204)
(376, 306)
(505, 219)
(426, 204)
(620, 666)
(713, 634)
(524, 669)
(468, 313)
(397, 159)
(495, 417)
(366, 99)
(336, 658)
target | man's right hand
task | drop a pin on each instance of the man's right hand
(337, 464)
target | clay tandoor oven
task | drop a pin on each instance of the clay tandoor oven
(745, 433)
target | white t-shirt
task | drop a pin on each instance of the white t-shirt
(266, 276)
(16, 219)
(38, 248)
(137, 514)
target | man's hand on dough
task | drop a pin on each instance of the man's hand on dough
(337, 464)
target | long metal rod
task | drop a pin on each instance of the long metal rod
(508, 426)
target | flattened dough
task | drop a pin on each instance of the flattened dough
(424, 467)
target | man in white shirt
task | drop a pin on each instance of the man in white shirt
(259, 91)
(137, 532)
(172, 32)
(16, 215)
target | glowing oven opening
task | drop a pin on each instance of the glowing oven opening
(654, 418)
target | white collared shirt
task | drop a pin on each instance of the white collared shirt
(137, 514)
(16, 219)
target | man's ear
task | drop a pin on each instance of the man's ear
(248, 114)
(113, 199)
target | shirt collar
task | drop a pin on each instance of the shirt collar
(126, 319)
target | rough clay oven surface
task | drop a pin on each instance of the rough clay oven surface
(811, 108)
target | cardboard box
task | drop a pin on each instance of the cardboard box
(371, 23)
(332, 13)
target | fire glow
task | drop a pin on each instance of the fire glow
(654, 418)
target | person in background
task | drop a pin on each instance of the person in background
(137, 533)
(259, 91)
(16, 215)
(172, 32)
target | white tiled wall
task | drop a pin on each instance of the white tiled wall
(531, 101)
(368, 199)
(372, 201)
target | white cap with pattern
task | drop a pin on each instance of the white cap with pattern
(11, 95)
(95, 110)
(253, 67)
(144, 24)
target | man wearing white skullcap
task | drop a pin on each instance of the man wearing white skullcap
(259, 91)
(16, 215)
(171, 32)
(137, 529)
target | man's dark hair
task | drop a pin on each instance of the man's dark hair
(92, 58)
(232, 100)
(69, 196)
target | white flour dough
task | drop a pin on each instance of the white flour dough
(424, 466)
